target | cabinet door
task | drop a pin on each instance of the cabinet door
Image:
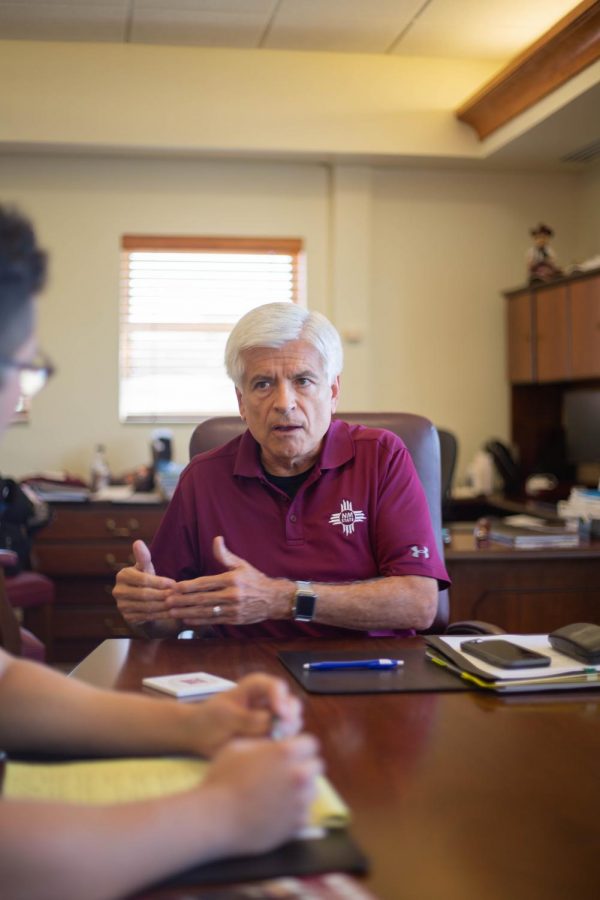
(520, 344)
(585, 327)
(552, 334)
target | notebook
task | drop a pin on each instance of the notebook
(124, 780)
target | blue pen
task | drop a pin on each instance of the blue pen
(327, 665)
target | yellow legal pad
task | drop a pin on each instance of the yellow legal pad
(107, 781)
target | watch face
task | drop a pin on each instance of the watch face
(304, 609)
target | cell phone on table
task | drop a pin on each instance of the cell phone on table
(504, 654)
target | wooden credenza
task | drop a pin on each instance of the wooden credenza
(82, 549)
(523, 591)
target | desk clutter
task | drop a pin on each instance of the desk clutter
(146, 483)
(583, 503)
(566, 659)
(556, 669)
(525, 532)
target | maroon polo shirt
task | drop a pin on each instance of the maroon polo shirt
(360, 514)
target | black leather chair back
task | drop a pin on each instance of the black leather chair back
(417, 432)
(448, 455)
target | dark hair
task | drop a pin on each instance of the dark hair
(22, 275)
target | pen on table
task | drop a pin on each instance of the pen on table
(327, 665)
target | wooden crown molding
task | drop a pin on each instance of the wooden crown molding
(562, 52)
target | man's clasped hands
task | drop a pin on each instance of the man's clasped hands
(238, 595)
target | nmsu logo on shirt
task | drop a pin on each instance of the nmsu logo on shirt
(347, 517)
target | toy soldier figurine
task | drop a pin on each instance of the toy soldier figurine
(541, 262)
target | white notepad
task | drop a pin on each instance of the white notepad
(189, 684)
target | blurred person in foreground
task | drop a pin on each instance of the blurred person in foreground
(257, 792)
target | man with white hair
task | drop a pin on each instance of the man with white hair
(303, 524)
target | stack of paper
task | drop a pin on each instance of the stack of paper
(56, 491)
(562, 673)
(583, 503)
(529, 532)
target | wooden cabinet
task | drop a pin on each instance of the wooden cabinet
(82, 549)
(553, 331)
(585, 328)
(553, 343)
(521, 352)
(552, 334)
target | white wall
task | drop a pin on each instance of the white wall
(232, 101)
(409, 263)
(589, 241)
(81, 208)
(446, 244)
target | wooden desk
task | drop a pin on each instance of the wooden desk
(81, 549)
(522, 590)
(458, 796)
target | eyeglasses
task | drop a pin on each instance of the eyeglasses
(32, 375)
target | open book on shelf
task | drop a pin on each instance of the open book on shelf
(563, 673)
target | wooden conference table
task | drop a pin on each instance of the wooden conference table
(458, 796)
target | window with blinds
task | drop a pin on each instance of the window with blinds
(180, 298)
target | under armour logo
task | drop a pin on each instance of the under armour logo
(419, 551)
(347, 517)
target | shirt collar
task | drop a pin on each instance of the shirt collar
(336, 450)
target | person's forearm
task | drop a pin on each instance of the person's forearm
(42, 710)
(64, 851)
(393, 602)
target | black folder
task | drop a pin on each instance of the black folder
(417, 674)
(336, 852)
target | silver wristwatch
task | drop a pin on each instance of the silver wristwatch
(305, 601)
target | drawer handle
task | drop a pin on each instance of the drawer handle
(122, 530)
(115, 565)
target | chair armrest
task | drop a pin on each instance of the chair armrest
(8, 559)
(472, 626)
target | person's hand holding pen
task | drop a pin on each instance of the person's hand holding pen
(260, 792)
(256, 707)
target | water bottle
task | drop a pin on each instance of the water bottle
(99, 471)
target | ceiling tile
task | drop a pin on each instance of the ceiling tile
(87, 20)
(230, 7)
(204, 28)
(339, 25)
(476, 29)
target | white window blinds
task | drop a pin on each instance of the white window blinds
(180, 298)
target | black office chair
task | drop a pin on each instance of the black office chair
(13, 637)
(448, 455)
(423, 444)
